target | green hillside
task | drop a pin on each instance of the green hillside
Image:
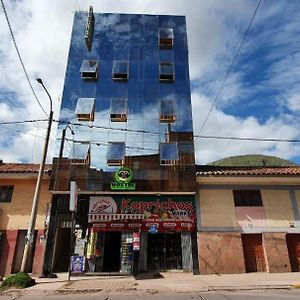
(252, 160)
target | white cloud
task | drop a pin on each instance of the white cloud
(43, 29)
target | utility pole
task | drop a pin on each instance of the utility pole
(36, 198)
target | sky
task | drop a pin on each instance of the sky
(259, 98)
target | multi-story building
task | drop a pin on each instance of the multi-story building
(127, 99)
(17, 187)
(249, 219)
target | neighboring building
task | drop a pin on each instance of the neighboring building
(17, 186)
(249, 219)
(127, 99)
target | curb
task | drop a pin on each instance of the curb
(250, 287)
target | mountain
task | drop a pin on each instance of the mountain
(252, 160)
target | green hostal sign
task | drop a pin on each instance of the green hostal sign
(123, 180)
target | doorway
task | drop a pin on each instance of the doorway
(164, 251)
(293, 245)
(19, 251)
(112, 247)
(253, 253)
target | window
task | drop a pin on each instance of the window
(6, 193)
(166, 38)
(116, 154)
(89, 69)
(247, 198)
(169, 154)
(120, 70)
(85, 109)
(118, 110)
(167, 111)
(81, 154)
(166, 71)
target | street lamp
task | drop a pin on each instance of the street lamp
(36, 198)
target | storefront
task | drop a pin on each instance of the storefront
(140, 231)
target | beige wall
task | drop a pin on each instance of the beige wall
(278, 208)
(298, 200)
(217, 208)
(16, 214)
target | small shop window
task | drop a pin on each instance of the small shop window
(166, 38)
(118, 110)
(116, 154)
(89, 69)
(167, 111)
(120, 70)
(169, 154)
(85, 109)
(166, 72)
(6, 193)
(247, 198)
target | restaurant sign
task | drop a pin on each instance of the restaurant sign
(123, 180)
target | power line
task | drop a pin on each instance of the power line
(20, 58)
(195, 136)
(23, 122)
(230, 67)
(13, 104)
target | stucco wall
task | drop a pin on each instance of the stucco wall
(217, 208)
(276, 252)
(16, 214)
(220, 253)
(278, 208)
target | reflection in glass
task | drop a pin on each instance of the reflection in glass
(118, 110)
(120, 70)
(166, 71)
(167, 111)
(89, 69)
(166, 38)
(168, 154)
(116, 154)
(81, 154)
(85, 109)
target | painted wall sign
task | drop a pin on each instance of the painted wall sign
(170, 213)
(102, 205)
(123, 180)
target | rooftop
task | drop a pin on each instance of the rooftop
(247, 171)
(22, 168)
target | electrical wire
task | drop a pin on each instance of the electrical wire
(230, 67)
(13, 104)
(20, 58)
(195, 136)
(23, 122)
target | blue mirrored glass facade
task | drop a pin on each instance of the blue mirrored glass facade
(130, 44)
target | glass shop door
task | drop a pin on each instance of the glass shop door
(164, 251)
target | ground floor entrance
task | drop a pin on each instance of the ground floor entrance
(293, 245)
(164, 251)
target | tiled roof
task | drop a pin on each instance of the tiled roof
(22, 168)
(247, 171)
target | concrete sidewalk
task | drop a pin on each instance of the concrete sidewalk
(168, 281)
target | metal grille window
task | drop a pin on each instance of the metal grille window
(89, 69)
(118, 110)
(166, 71)
(6, 193)
(247, 198)
(169, 154)
(166, 38)
(167, 111)
(85, 109)
(120, 70)
(116, 154)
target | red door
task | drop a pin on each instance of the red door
(293, 245)
(253, 253)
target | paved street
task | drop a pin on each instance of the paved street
(144, 295)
